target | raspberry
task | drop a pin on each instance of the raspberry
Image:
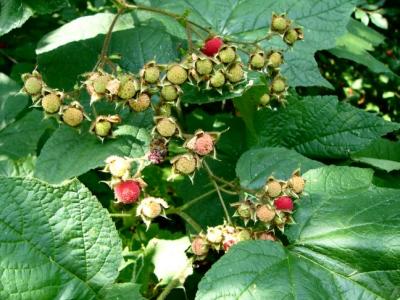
(265, 214)
(275, 59)
(102, 128)
(127, 192)
(297, 184)
(164, 110)
(169, 92)
(128, 89)
(214, 235)
(228, 244)
(177, 74)
(204, 66)
(264, 100)
(141, 103)
(244, 210)
(279, 23)
(186, 164)
(200, 246)
(100, 84)
(151, 74)
(291, 36)
(267, 236)
(284, 203)
(278, 85)
(118, 166)
(227, 55)
(72, 116)
(243, 235)
(204, 144)
(218, 79)
(152, 210)
(166, 127)
(273, 188)
(33, 85)
(235, 73)
(51, 103)
(212, 46)
(257, 60)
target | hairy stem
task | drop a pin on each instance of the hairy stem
(221, 199)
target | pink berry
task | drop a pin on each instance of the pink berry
(127, 192)
(204, 144)
(283, 203)
(228, 244)
(212, 46)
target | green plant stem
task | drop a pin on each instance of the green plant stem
(107, 40)
(221, 199)
(189, 220)
(120, 215)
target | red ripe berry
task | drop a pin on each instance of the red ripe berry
(212, 46)
(228, 244)
(127, 191)
(283, 203)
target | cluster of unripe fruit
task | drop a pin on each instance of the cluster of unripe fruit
(270, 208)
(128, 189)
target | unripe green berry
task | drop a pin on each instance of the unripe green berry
(141, 103)
(152, 74)
(279, 24)
(51, 103)
(264, 100)
(291, 36)
(227, 55)
(186, 164)
(33, 85)
(72, 116)
(100, 84)
(257, 61)
(102, 128)
(244, 210)
(275, 59)
(169, 92)
(217, 80)
(166, 127)
(177, 74)
(204, 66)
(235, 73)
(278, 85)
(127, 90)
(165, 110)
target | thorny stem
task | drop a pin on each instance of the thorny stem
(221, 199)
(106, 44)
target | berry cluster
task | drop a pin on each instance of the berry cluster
(269, 209)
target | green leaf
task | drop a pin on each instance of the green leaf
(11, 101)
(22, 168)
(122, 291)
(356, 44)
(169, 259)
(256, 165)
(13, 14)
(69, 153)
(344, 246)
(20, 138)
(44, 6)
(136, 38)
(381, 154)
(56, 241)
(323, 21)
(320, 127)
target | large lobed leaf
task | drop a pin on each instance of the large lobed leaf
(344, 246)
(323, 21)
(56, 242)
(319, 127)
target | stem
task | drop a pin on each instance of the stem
(189, 220)
(189, 36)
(120, 215)
(107, 40)
(171, 285)
(227, 191)
(221, 199)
